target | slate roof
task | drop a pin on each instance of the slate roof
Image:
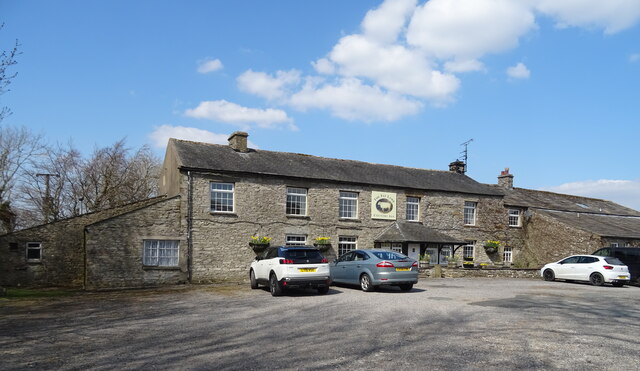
(557, 201)
(215, 157)
(603, 225)
(414, 232)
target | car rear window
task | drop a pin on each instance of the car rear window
(307, 254)
(387, 255)
(614, 261)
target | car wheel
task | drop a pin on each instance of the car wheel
(406, 287)
(596, 279)
(252, 278)
(365, 283)
(274, 286)
(323, 290)
(548, 275)
(618, 284)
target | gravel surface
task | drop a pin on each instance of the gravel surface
(441, 324)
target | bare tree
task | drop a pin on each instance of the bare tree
(7, 59)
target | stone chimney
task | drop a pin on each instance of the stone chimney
(505, 180)
(458, 167)
(238, 141)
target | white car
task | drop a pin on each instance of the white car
(285, 267)
(595, 269)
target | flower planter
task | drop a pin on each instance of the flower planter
(322, 246)
(258, 247)
(491, 250)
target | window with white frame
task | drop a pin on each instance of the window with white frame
(222, 197)
(161, 253)
(514, 218)
(346, 244)
(296, 201)
(295, 240)
(467, 251)
(34, 252)
(470, 213)
(413, 209)
(507, 255)
(614, 244)
(348, 204)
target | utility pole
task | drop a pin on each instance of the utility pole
(47, 197)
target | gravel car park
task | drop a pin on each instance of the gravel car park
(439, 324)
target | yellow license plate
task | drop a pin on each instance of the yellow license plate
(623, 277)
(307, 269)
(402, 269)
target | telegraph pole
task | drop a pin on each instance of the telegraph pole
(47, 197)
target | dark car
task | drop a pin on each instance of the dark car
(372, 268)
(630, 256)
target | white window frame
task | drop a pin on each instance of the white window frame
(33, 246)
(515, 218)
(413, 209)
(615, 244)
(465, 251)
(348, 205)
(295, 239)
(346, 244)
(297, 197)
(469, 212)
(222, 195)
(507, 254)
(160, 253)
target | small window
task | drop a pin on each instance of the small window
(296, 201)
(514, 218)
(34, 252)
(161, 253)
(470, 213)
(467, 251)
(413, 209)
(507, 255)
(614, 244)
(295, 240)
(348, 204)
(222, 197)
(346, 244)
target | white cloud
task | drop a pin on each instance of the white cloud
(268, 86)
(468, 65)
(624, 192)
(161, 134)
(324, 66)
(519, 71)
(231, 113)
(349, 99)
(611, 15)
(384, 23)
(469, 29)
(209, 65)
(633, 58)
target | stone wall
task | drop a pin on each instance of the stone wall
(62, 262)
(221, 241)
(114, 247)
(484, 272)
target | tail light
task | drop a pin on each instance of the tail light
(286, 261)
(385, 264)
(415, 264)
(607, 267)
(324, 260)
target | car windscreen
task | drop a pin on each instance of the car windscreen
(303, 254)
(614, 261)
(387, 255)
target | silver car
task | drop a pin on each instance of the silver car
(371, 268)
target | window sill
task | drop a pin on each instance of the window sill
(515, 226)
(352, 220)
(470, 226)
(34, 262)
(155, 268)
(298, 217)
(217, 213)
(414, 221)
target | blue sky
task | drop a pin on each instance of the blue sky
(547, 88)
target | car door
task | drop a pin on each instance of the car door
(339, 268)
(566, 268)
(355, 267)
(263, 267)
(586, 265)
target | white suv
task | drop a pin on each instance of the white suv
(290, 266)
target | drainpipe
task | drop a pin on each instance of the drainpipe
(189, 225)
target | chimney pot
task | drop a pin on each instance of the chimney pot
(458, 167)
(238, 141)
(505, 180)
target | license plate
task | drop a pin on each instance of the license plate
(402, 269)
(623, 277)
(307, 269)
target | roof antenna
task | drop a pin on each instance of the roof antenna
(465, 152)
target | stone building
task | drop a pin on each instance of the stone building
(216, 197)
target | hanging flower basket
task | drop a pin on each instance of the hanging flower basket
(322, 243)
(491, 247)
(259, 244)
